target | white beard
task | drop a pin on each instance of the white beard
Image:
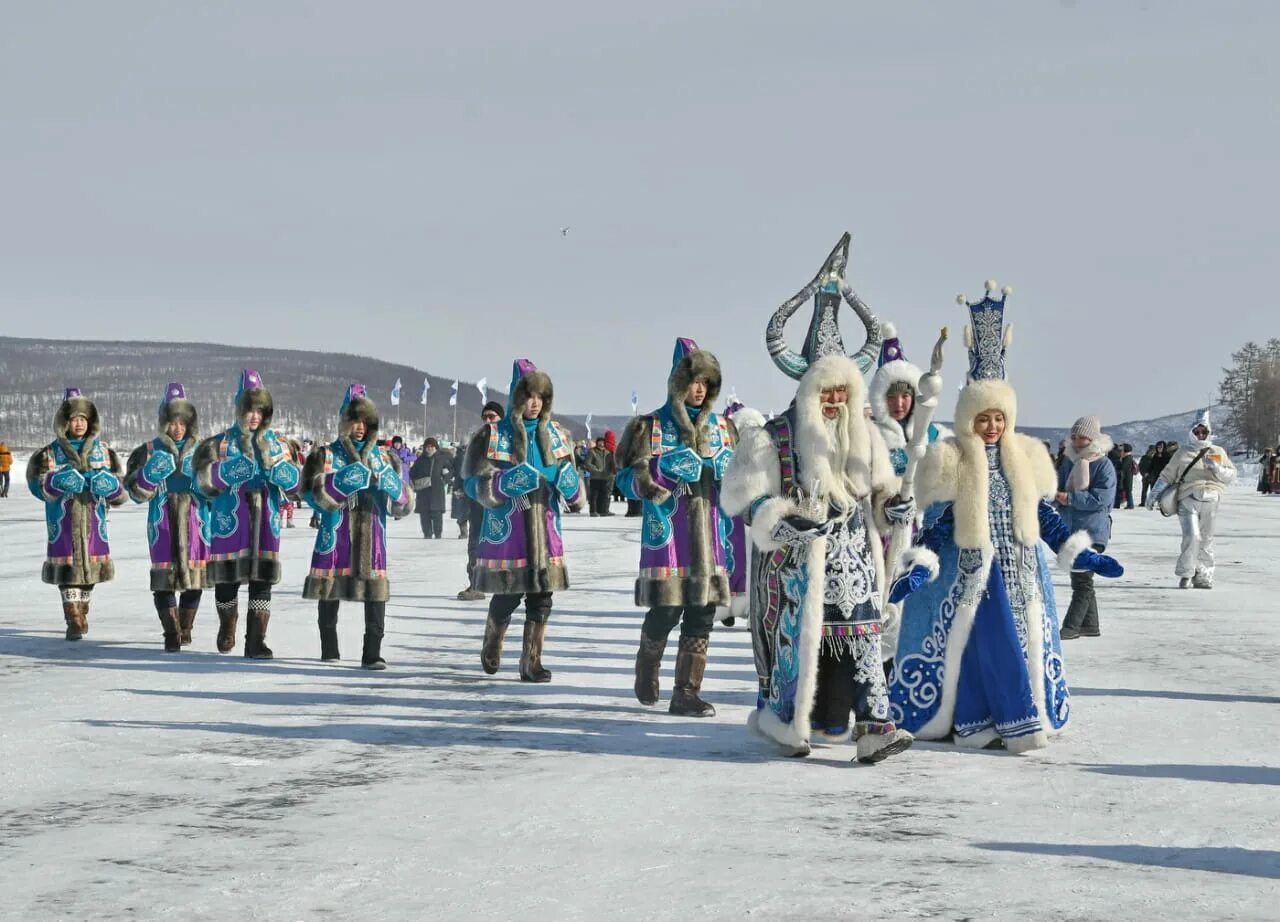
(838, 448)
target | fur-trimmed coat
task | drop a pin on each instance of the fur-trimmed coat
(979, 655)
(350, 557)
(78, 551)
(684, 532)
(245, 518)
(774, 474)
(177, 515)
(521, 548)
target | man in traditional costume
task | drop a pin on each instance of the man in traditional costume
(816, 488)
(161, 474)
(674, 460)
(521, 469)
(355, 484)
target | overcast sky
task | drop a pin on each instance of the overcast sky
(391, 178)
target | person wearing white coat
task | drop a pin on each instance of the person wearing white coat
(1200, 471)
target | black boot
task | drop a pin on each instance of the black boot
(1091, 627)
(328, 623)
(169, 624)
(1081, 589)
(375, 614)
(491, 653)
(255, 634)
(691, 663)
(648, 668)
(531, 658)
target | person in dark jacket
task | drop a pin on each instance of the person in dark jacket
(432, 476)
(601, 468)
(492, 413)
(1086, 493)
(1126, 470)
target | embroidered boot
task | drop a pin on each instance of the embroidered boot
(186, 621)
(255, 632)
(878, 741)
(531, 658)
(491, 652)
(70, 613)
(228, 617)
(648, 667)
(691, 663)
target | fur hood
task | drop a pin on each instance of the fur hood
(178, 409)
(897, 372)
(358, 408)
(699, 364)
(77, 406)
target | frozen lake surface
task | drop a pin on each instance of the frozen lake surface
(144, 785)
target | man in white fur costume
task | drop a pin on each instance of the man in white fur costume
(737, 544)
(815, 487)
(979, 657)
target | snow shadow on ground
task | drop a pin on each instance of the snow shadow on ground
(1223, 774)
(1174, 695)
(1244, 861)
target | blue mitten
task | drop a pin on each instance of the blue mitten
(908, 583)
(351, 479)
(681, 464)
(1099, 563)
(285, 475)
(67, 480)
(519, 480)
(720, 463)
(389, 482)
(188, 466)
(237, 470)
(104, 483)
(567, 480)
(159, 466)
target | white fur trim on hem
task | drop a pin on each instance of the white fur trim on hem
(1071, 549)
(978, 740)
(766, 519)
(1027, 743)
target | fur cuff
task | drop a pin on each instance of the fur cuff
(1017, 744)
(1071, 549)
(920, 557)
(766, 519)
(763, 722)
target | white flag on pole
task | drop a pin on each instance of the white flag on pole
(426, 388)
(483, 387)
(453, 395)
(588, 425)
(395, 394)
(635, 401)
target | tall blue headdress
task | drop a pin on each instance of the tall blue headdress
(987, 336)
(823, 338)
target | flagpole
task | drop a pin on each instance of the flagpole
(455, 422)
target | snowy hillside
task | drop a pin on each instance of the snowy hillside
(144, 785)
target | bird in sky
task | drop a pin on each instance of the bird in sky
(564, 231)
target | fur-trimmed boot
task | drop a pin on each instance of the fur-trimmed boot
(186, 621)
(255, 634)
(878, 741)
(169, 624)
(77, 621)
(228, 618)
(491, 652)
(374, 626)
(328, 624)
(648, 668)
(531, 656)
(691, 663)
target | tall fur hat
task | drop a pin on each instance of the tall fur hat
(356, 405)
(688, 363)
(175, 405)
(527, 380)
(76, 404)
(252, 394)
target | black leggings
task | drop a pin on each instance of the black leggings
(375, 615)
(537, 607)
(165, 601)
(694, 620)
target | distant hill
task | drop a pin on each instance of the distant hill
(126, 379)
(1139, 433)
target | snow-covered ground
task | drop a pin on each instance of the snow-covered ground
(140, 784)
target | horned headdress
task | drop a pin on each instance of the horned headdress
(826, 289)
